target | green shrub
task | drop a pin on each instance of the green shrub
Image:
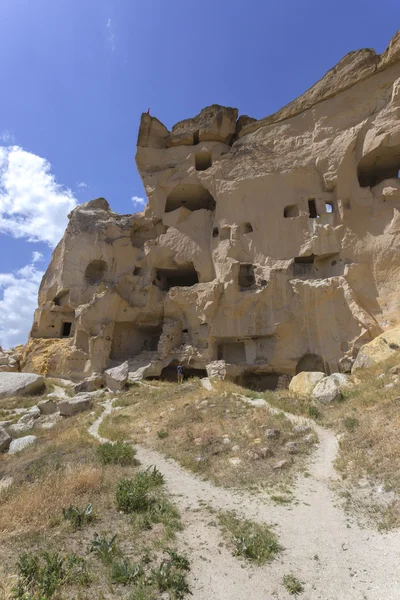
(78, 517)
(313, 411)
(255, 542)
(162, 434)
(293, 585)
(134, 494)
(41, 576)
(170, 575)
(119, 453)
(103, 548)
(122, 572)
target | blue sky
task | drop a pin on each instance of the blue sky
(75, 76)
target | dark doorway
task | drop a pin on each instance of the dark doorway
(66, 329)
(182, 277)
(312, 209)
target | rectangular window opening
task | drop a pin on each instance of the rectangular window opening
(312, 209)
(66, 329)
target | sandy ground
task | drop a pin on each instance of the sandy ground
(330, 554)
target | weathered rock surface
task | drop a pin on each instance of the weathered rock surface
(20, 384)
(303, 383)
(72, 406)
(21, 443)
(326, 391)
(21, 427)
(117, 377)
(47, 407)
(267, 247)
(382, 347)
(5, 440)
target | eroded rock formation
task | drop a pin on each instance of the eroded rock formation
(267, 247)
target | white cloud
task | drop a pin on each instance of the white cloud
(138, 203)
(82, 184)
(111, 37)
(7, 137)
(32, 204)
(19, 300)
(37, 257)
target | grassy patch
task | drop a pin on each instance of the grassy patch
(119, 453)
(255, 542)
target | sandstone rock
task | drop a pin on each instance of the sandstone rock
(341, 379)
(72, 406)
(20, 384)
(282, 464)
(21, 443)
(272, 433)
(326, 391)
(48, 407)
(304, 383)
(300, 429)
(205, 274)
(91, 384)
(32, 413)
(117, 377)
(346, 364)
(292, 447)
(5, 440)
(382, 347)
(19, 428)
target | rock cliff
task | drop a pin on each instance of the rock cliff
(267, 247)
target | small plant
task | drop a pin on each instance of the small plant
(351, 423)
(125, 573)
(170, 575)
(78, 517)
(103, 548)
(41, 576)
(162, 434)
(119, 453)
(313, 411)
(255, 542)
(293, 585)
(281, 499)
(134, 494)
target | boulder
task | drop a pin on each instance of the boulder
(47, 407)
(20, 384)
(91, 384)
(326, 391)
(21, 443)
(304, 383)
(301, 429)
(382, 347)
(282, 464)
(292, 447)
(346, 364)
(341, 379)
(5, 440)
(117, 377)
(216, 369)
(19, 428)
(32, 413)
(272, 433)
(72, 406)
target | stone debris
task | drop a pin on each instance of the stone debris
(47, 407)
(117, 377)
(73, 406)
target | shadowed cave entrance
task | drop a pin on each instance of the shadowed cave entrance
(378, 165)
(192, 196)
(310, 362)
(130, 339)
(261, 382)
(169, 373)
(179, 277)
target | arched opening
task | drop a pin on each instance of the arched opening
(202, 161)
(170, 373)
(192, 196)
(215, 232)
(247, 228)
(378, 165)
(261, 382)
(310, 362)
(95, 271)
(246, 278)
(329, 207)
(291, 211)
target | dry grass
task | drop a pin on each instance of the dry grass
(61, 469)
(214, 433)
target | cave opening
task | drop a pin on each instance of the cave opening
(246, 277)
(378, 165)
(170, 373)
(192, 196)
(312, 209)
(291, 211)
(95, 271)
(66, 329)
(203, 161)
(186, 276)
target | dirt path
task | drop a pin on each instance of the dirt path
(334, 558)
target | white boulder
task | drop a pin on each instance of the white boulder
(21, 443)
(72, 406)
(304, 383)
(47, 407)
(326, 391)
(20, 384)
(117, 377)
